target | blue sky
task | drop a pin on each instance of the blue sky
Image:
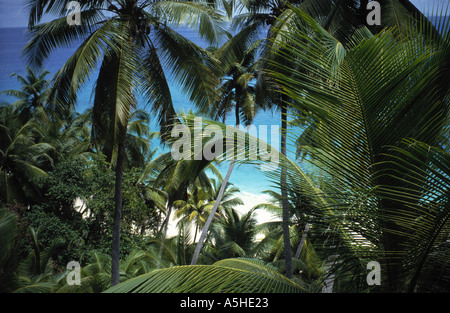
(13, 12)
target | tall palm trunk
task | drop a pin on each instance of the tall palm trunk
(284, 199)
(195, 234)
(302, 242)
(199, 246)
(115, 255)
(165, 227)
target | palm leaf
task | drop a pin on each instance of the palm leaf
(189, 64)
(375, 98)
(156, 90)
(193, 14)
(114, 98)
(46, 37)
(227, 276)
(78, 68)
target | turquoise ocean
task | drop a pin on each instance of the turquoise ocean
(250, 180)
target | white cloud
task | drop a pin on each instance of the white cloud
(250, 200)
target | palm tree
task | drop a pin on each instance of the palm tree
(23, 158)
(378, 143)
(35, 273)
(237, 70)
(324, 144)
(173, 251)
(271, 16)
(340, 18)
(201, 200)
(229, 199)
(230, 275)
(236, 91)
(195, 209)
(299, 227)
(131, 40)
(32, 94)
(8, 253)
(67, 136)
(234, 235)
(138, 150)
(138, 146)
(173, 178)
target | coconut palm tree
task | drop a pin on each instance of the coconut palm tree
(201, 200)
(35, 273)
(138, 146)
(8, 253)
(68, 138)
(341, 18)
(234, 235)
(230, 275)
(237, 69)
(377, 142)
(173, 251)
(195, 209)
(377, 184)
(132, 43)
(236, 91)
(32, 94)
(173, 178)
(23, 158)
(298, 230)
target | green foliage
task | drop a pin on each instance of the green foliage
(23, 159)
(141, 215)
(234, 236)
(8, 254)
(54, 228)
(32, 94)
(378, 111)
(369, 113)
(225, 276)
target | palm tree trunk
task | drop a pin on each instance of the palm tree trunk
(284, 199)
(115, 261)
(211, 215)
(196, 231)
(166, 226)
(302, 242)
(328, 283)
(218, 201)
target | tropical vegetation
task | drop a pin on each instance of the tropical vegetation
(364, 171)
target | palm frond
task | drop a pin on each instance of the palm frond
(46, 37)
(226, 276)
(195, 15)
(189, 64)
(375, 98)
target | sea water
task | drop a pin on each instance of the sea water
(248, 178)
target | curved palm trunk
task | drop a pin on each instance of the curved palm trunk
(199, 246)
(195, 234)
(202, 238)
(166, 226)
(115, 254)
(284, 199)
(302, 242)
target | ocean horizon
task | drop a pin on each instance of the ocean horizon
(248, 178)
